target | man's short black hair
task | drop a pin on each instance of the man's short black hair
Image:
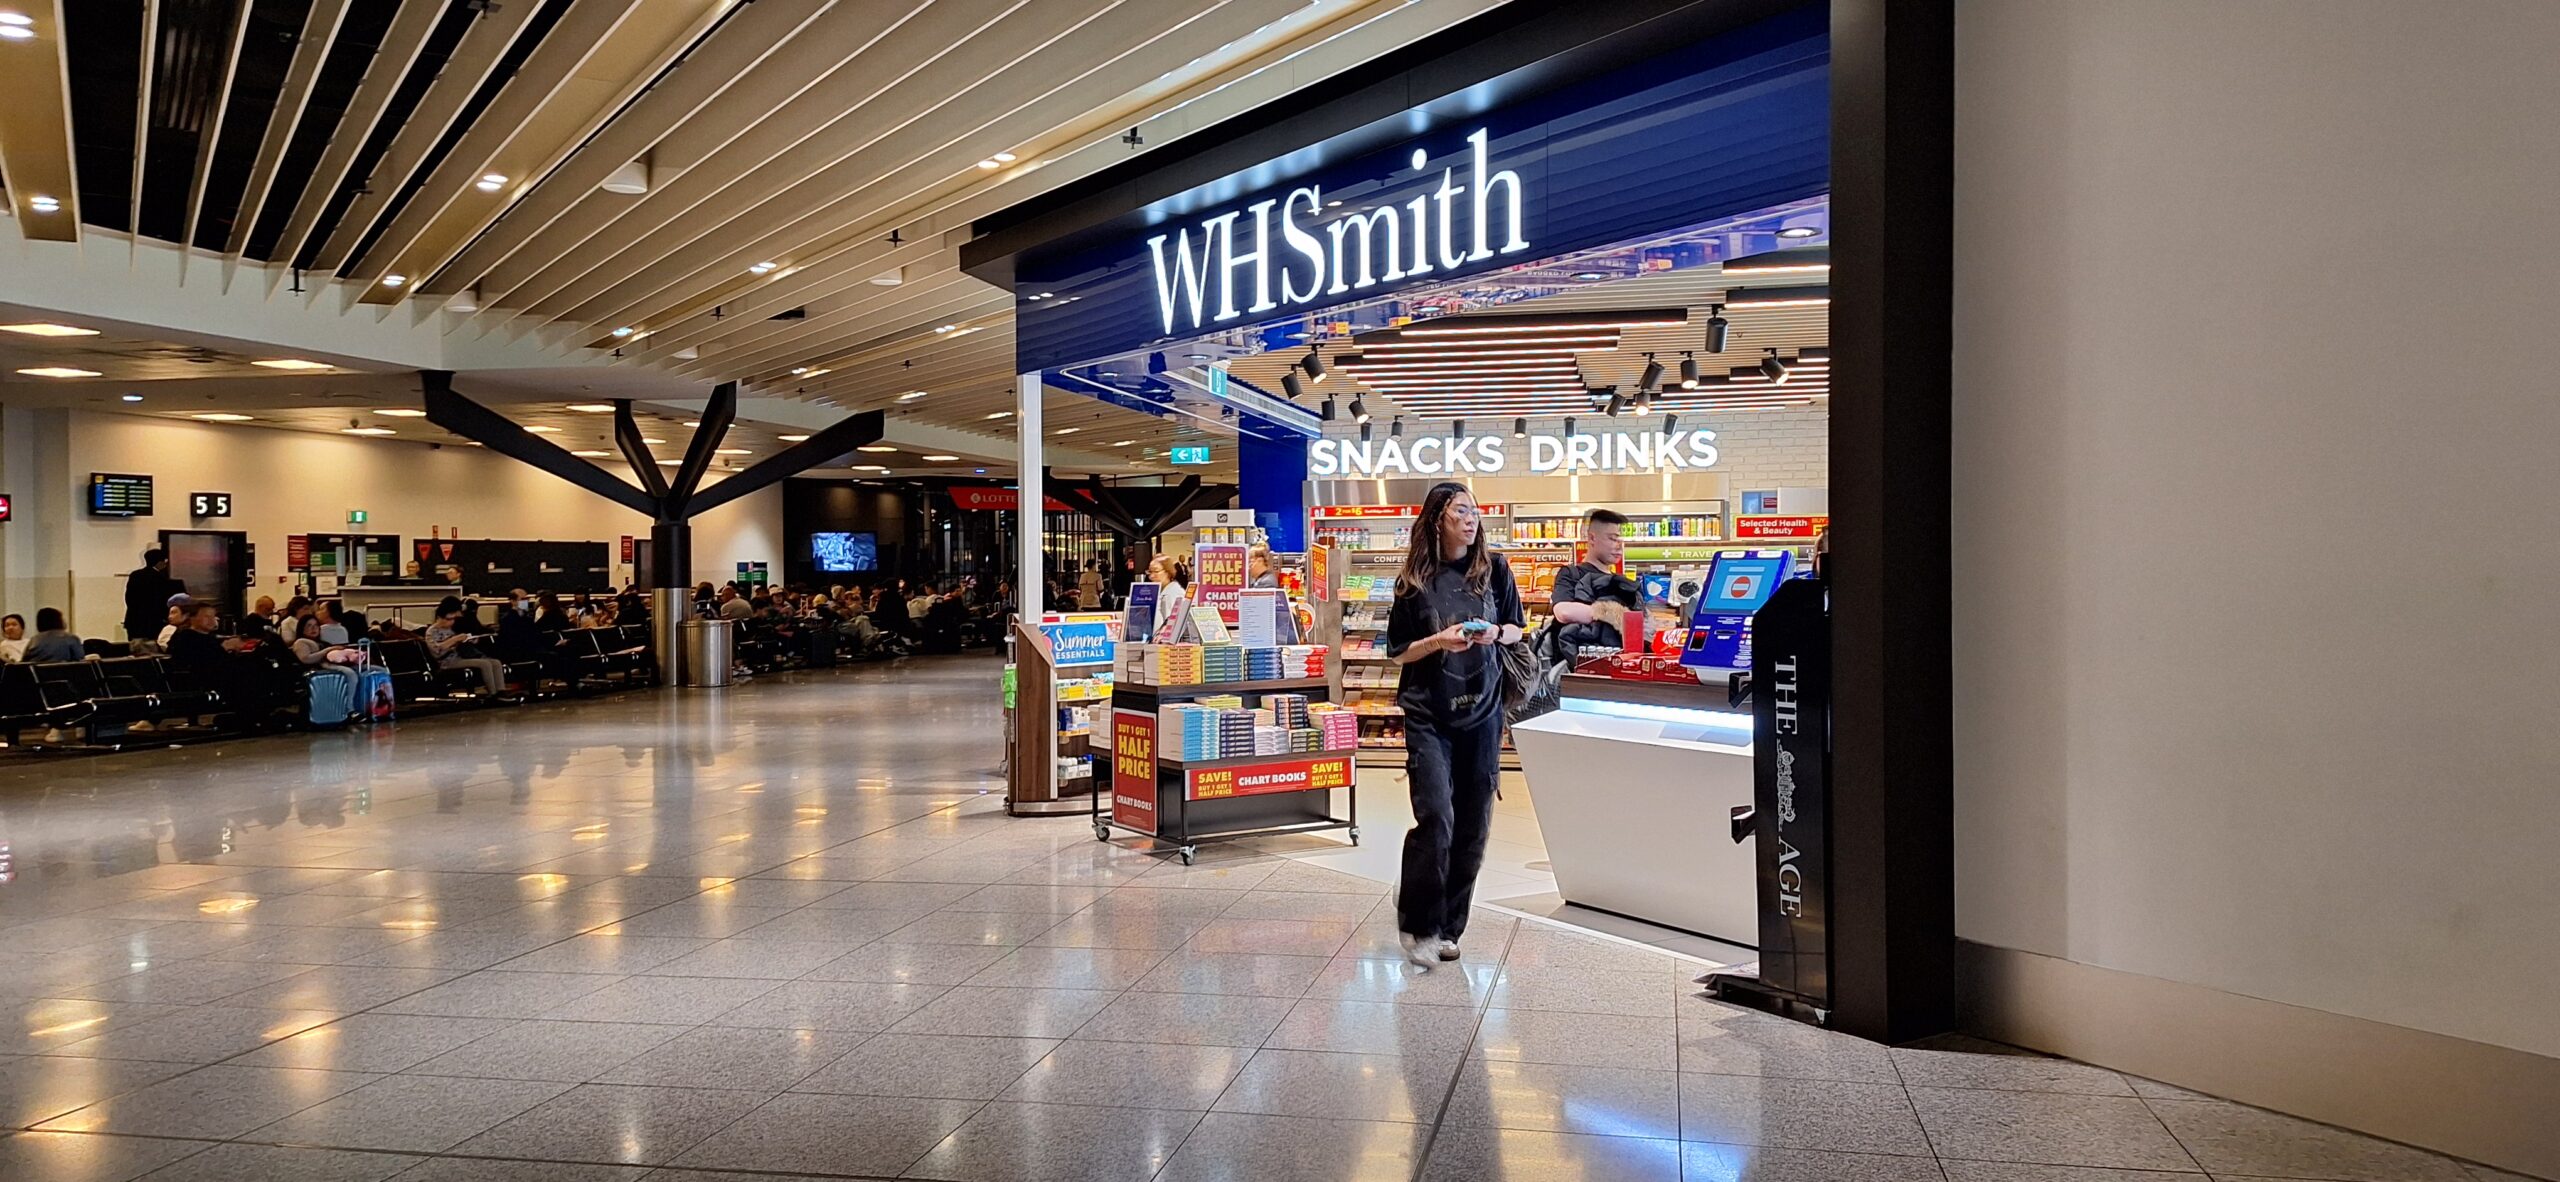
(1604, 517)
(154, 556)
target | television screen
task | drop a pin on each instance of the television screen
(837, 552)
(114, 495)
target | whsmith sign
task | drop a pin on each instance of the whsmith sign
(1390, 244)
(1583, 451)
(1465, 184)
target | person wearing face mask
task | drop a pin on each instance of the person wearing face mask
(1454, 601)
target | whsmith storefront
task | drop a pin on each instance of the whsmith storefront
(1684, 260)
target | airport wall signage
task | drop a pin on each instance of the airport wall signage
(1476, 184)
(1496, 455)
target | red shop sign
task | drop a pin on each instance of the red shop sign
(1133, 769)
(1291, 775)
(989, 497)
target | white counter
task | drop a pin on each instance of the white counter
(1635, 800)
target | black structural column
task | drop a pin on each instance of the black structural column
(671, 505)
(1892, 801)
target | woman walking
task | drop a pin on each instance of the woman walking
(1454, 601)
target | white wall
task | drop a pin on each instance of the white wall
(2257, 604)
(288, 482)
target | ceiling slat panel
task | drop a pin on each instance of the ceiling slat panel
(743, 128)
(319, 33)
(1090, 64)
(400, 46)
(536, 102)
(492, 32)
(782, 344)
(984, 50)
(35, 129)
(747, 47)
(212, 136)
(913, 262)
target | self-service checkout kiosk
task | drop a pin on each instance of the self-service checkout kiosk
(1720, 611)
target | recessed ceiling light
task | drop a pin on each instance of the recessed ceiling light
(394, 280)
(911, 396)
(869, 468)
(693, 422)
(793, 438)
(651, 441)
(592, 408)
(875, 447)
(1122, 442)
(988, 164)
(132, 398)
(979, 471)
(17, 33)
(590, 454)
(946, 328)
(669, 463)
(19, 19)
(366, 431)
(492, 182)
(58, 371)
(806, 372)
(40, 204)
(1002, 414)
(292, 363)
(1798, 232)
(941, 459)
(401, 412)
(49, 330)
(544, 430)
(219, 416)
(1067, 430)
(734, 451)
(623, 331)
(759, 268)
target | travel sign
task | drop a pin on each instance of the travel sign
(1331, 256)
(1486, 455)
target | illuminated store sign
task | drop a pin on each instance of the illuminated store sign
(1388, 242)
(1485, 455)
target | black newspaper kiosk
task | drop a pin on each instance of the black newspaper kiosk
(1790, 688)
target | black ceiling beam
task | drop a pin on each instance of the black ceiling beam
(495, 431)
(1185, 494)
(1108, 509)
(644, 466)
(817, 449)
(717, 414)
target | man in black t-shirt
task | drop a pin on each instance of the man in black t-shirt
(1590, 597)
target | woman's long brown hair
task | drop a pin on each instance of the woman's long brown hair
(1422, 557)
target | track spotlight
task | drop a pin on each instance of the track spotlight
(1395, 430)
(1364, 432)
(1670, 424)
(1296, 389)
(1688, 371)
(1644, 402)
(1652, 378)
(1519, 428)
(1617, 402)
(1359, 410)
(1458, 428)
(1313, 363)
(1568, 425)
(1326, 415)
(1776, 368)
(1719, 329)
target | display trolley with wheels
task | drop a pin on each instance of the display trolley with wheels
(1186, 803)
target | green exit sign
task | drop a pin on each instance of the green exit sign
(1191, 455)
(355, 516)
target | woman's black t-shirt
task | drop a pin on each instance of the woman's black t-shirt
(1452, 689)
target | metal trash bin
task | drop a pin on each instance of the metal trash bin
(705, 652)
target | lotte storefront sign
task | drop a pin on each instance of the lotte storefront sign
(1002, 500)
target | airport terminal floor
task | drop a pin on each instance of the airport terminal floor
(787, 931)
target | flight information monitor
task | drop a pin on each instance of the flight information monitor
(1720, 617)
(114, 494)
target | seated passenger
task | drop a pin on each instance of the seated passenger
(53, 640)
(13, 638)
(449, 645)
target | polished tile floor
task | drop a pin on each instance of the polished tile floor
(786, 932)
